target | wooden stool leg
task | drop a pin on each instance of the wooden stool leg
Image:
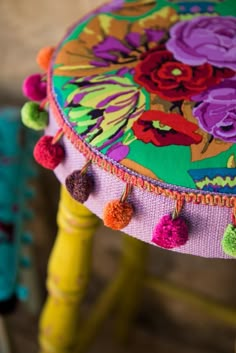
(69, 269)
(134, 268)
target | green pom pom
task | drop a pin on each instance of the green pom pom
(229, 240)
(33, 116)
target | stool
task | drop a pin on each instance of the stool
(138, 111)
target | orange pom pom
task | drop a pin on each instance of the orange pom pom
(44, 57)
(117, 214)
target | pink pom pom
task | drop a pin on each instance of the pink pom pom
(35, 88)
(170, 232)
(47, 154)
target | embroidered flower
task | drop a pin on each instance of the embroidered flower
(205, 40)
(217, 113)
(160, 73)
(114, 51)
(163, 129)
(103, 107)
(110, 44)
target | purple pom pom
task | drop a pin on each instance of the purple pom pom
(170, 233)
(35, 88)
(79, 185)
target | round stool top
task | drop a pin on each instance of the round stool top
(145, 92)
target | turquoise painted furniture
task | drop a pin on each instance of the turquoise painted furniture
(16, 170)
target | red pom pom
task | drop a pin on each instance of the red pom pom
(117, 214)
(44, 57)
(34, 88)
(47, 154)
(170, 232)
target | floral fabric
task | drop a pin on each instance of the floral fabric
(152, 86)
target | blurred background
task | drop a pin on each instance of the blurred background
(163, 324)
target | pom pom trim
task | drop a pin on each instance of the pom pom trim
(117, 214)
(79, 184)
(35, 87)
(228, 242)
(48, 153)
(44, 57)
(33, 116)
(171, 231)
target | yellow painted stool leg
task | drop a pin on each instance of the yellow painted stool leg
(134, 267)
(68, 274)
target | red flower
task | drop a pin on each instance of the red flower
(163, 129)
(159, 72)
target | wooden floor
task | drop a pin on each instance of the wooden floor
(162, 325)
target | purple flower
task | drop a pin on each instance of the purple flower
(205, 40)
(217, 112)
